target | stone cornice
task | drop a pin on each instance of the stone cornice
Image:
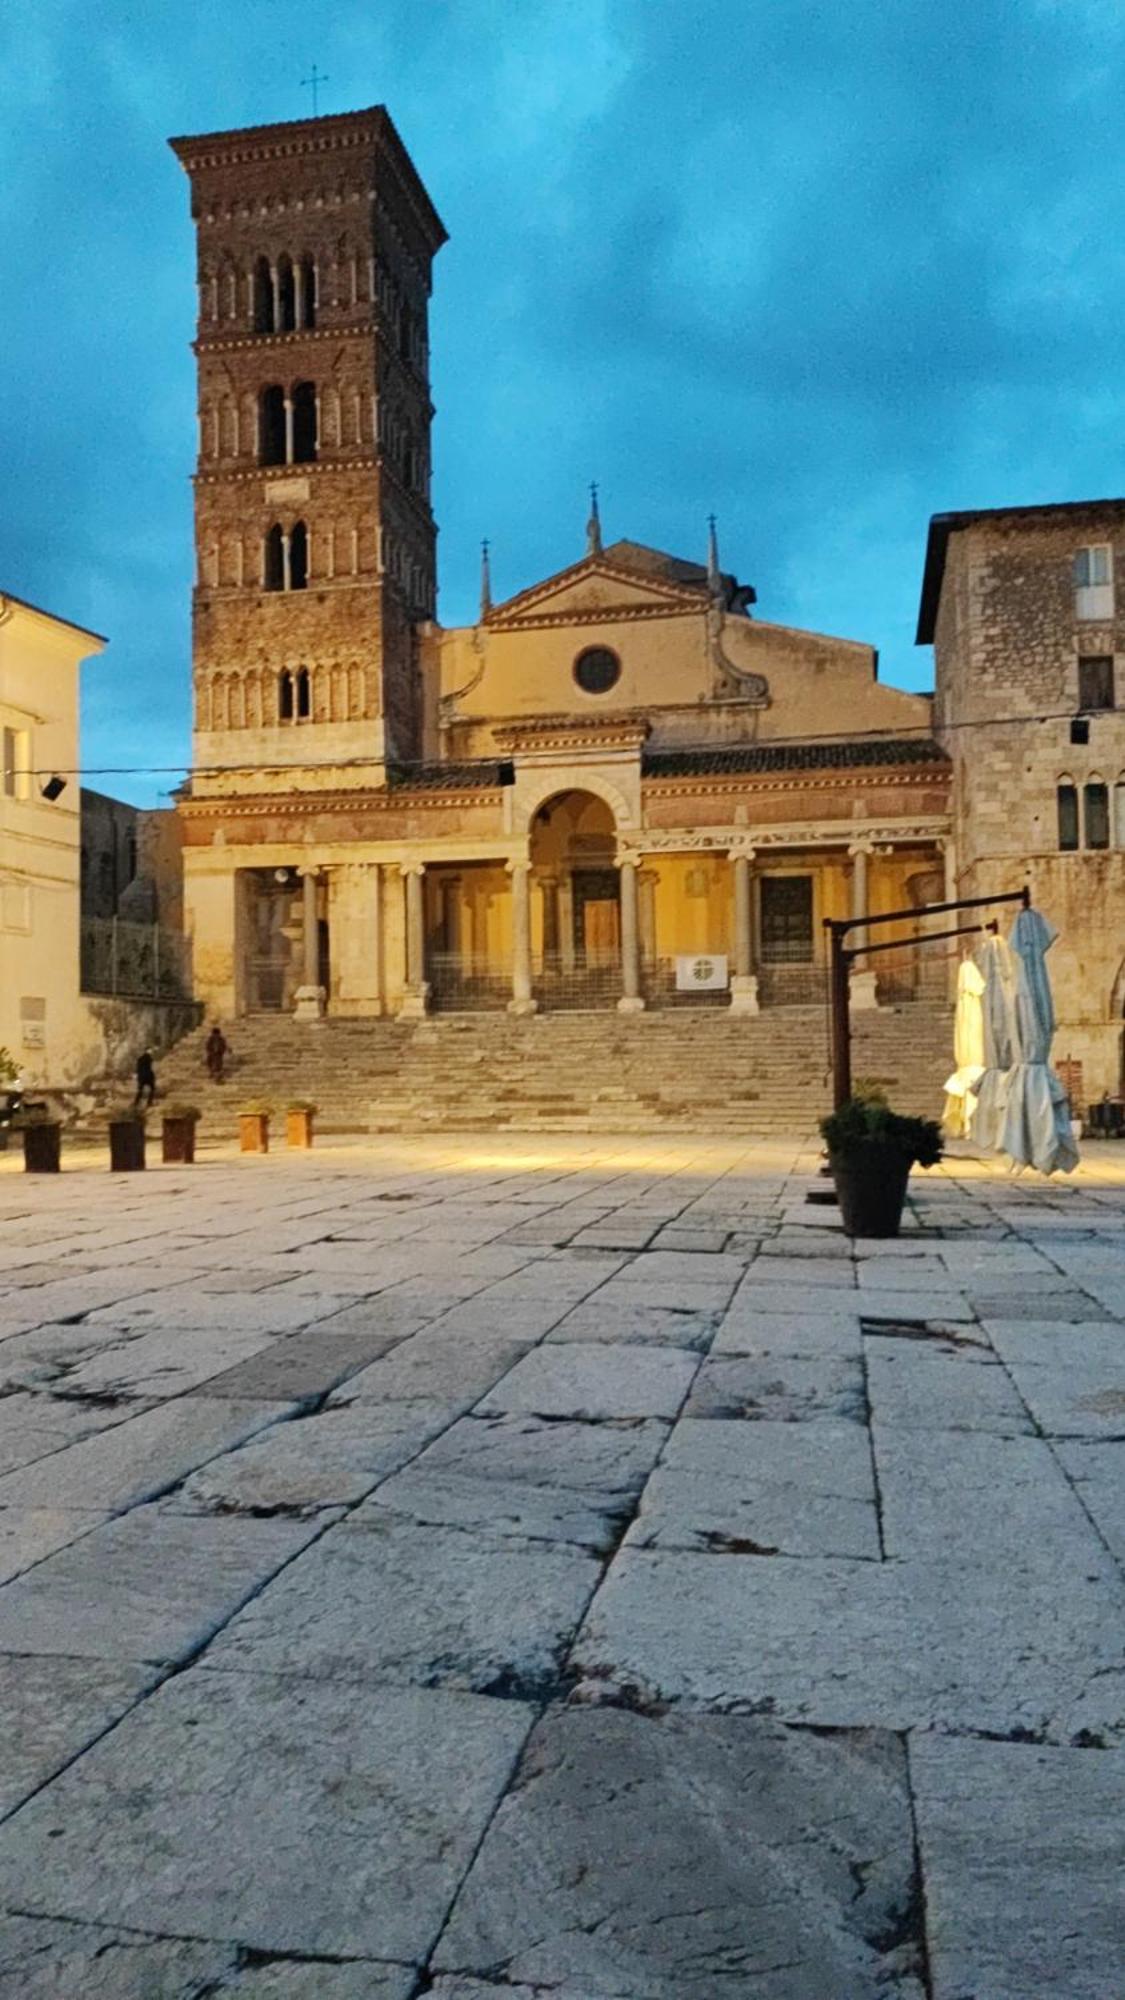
(556, 733)
(872, 778)
(223, 806)
(668, 599)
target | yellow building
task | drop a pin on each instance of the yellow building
(44, 1022)
(617, 788)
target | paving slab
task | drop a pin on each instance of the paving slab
(330, 1459)
(620, 1323)
(592, 1380)
(43, 1959)
(763, 1488)
(986, 1500)
(1072, 1377)
(139, 1458)
(1023, 1850)
(1098, 1472)
(613, 1456)
(921, 1386)
(278, 1813)
(34, 1426)
(50, 1709)
(859, 1644)
(385, 1600)
(302, 1365)
(778, 1388)
(29, 1534)
(152, 1585)
(776, 1864)
(505, 1510)
(164, 1362)
(456, 1369)
(745, 1330)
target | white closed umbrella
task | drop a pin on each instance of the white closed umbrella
(968, 1051)
(999, 1035)
(1035, 1127)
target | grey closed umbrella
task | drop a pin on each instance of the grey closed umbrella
(1035, 1123)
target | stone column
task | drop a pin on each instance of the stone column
(286, 568)
(521, 1001)
(566, 921)
(549, 889)
(415, 999)
(275, 291)
(310, 996)
(288, 430)
(630, 1001)
(862, 982)
(744, 979)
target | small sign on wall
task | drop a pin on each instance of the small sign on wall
(701, 972)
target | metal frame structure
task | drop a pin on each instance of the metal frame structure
(841, 956)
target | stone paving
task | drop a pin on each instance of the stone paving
(518, 1569)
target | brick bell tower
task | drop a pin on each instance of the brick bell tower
(315, 542)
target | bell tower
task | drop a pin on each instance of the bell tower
(315, 542)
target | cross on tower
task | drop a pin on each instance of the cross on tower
(314, 81)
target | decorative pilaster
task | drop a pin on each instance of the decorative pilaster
(310, 996)
(522, 1001)
(862, 982)
(630, 1001)
(415, 999)
(744, 980)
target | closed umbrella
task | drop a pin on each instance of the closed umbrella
(968, 1051)
(999, 1034)
(1035, 1127)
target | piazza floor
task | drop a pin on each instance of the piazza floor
(559, 1570)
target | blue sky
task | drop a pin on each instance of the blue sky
(823, 270)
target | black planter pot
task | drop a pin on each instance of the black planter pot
(126, 1145)
(871, 1184)
(41, 1148)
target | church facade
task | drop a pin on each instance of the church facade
(620, 788)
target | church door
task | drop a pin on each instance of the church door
(597, 918)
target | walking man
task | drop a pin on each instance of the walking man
(146, 1081)
(216, 1048)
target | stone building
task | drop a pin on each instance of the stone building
(1025, 609)
(615, 787)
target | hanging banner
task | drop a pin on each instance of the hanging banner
(701, 973)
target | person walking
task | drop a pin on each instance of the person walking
(146, 1080)
(216, 1048)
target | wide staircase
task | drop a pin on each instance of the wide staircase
(689, 1070)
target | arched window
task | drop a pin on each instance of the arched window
(304, 695)
(285, 695)
(308, 275)
(263, 296)
(1067, 799)
(1095, 813)
(304, 423)
(273, 563)
(271, 427)
(298, 557)
(1119, 812)
(286, 296)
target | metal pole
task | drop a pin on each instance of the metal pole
(840, 1018)
(113, 954)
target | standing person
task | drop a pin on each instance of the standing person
(146, 1080)
(217, 1049)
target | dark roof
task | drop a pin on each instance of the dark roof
(26, 604)
(484, 776)
(944, 525)
(752, 757)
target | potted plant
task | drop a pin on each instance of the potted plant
(41, 1139)
(254, 1127)
(127, 1141)
(299, 1123)
(871, 1150)
(177, 1134)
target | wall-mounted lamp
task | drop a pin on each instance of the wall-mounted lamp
(53, 788)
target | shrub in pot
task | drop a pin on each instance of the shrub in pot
(127, 1142)
(299, 1123)
(177, 1134)
(254, 1127)
(42, 1139)
(871, 1150)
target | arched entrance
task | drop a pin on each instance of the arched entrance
(577, 953)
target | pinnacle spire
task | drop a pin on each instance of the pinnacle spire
(714, 577)
(594, 524)
(485, 582)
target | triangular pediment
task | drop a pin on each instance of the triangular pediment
(593, 590)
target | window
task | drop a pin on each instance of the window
(286, 296)
(1119, 812)
(16, 777)
(263, 297)
(1066, 796)
(304, 695)
(787, 919)
(285, 695)
(304, 423)
(273, 562)
(597, 670)
(271, 426)
(1095, 681)
(1093, 582)
(298, 557)
(1095, 805)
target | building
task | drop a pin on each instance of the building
(616, 781)
(1025, 609)
(44, 1023)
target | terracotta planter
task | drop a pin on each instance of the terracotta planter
(126, 1145)
(254, 1132)
(177, 1137)
(41, 1148)
(299, 1129)
(871, 1184)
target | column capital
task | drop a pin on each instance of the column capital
(630, 859)
(408, 868)
(864, 845)
(513, 867)
(742, 850)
